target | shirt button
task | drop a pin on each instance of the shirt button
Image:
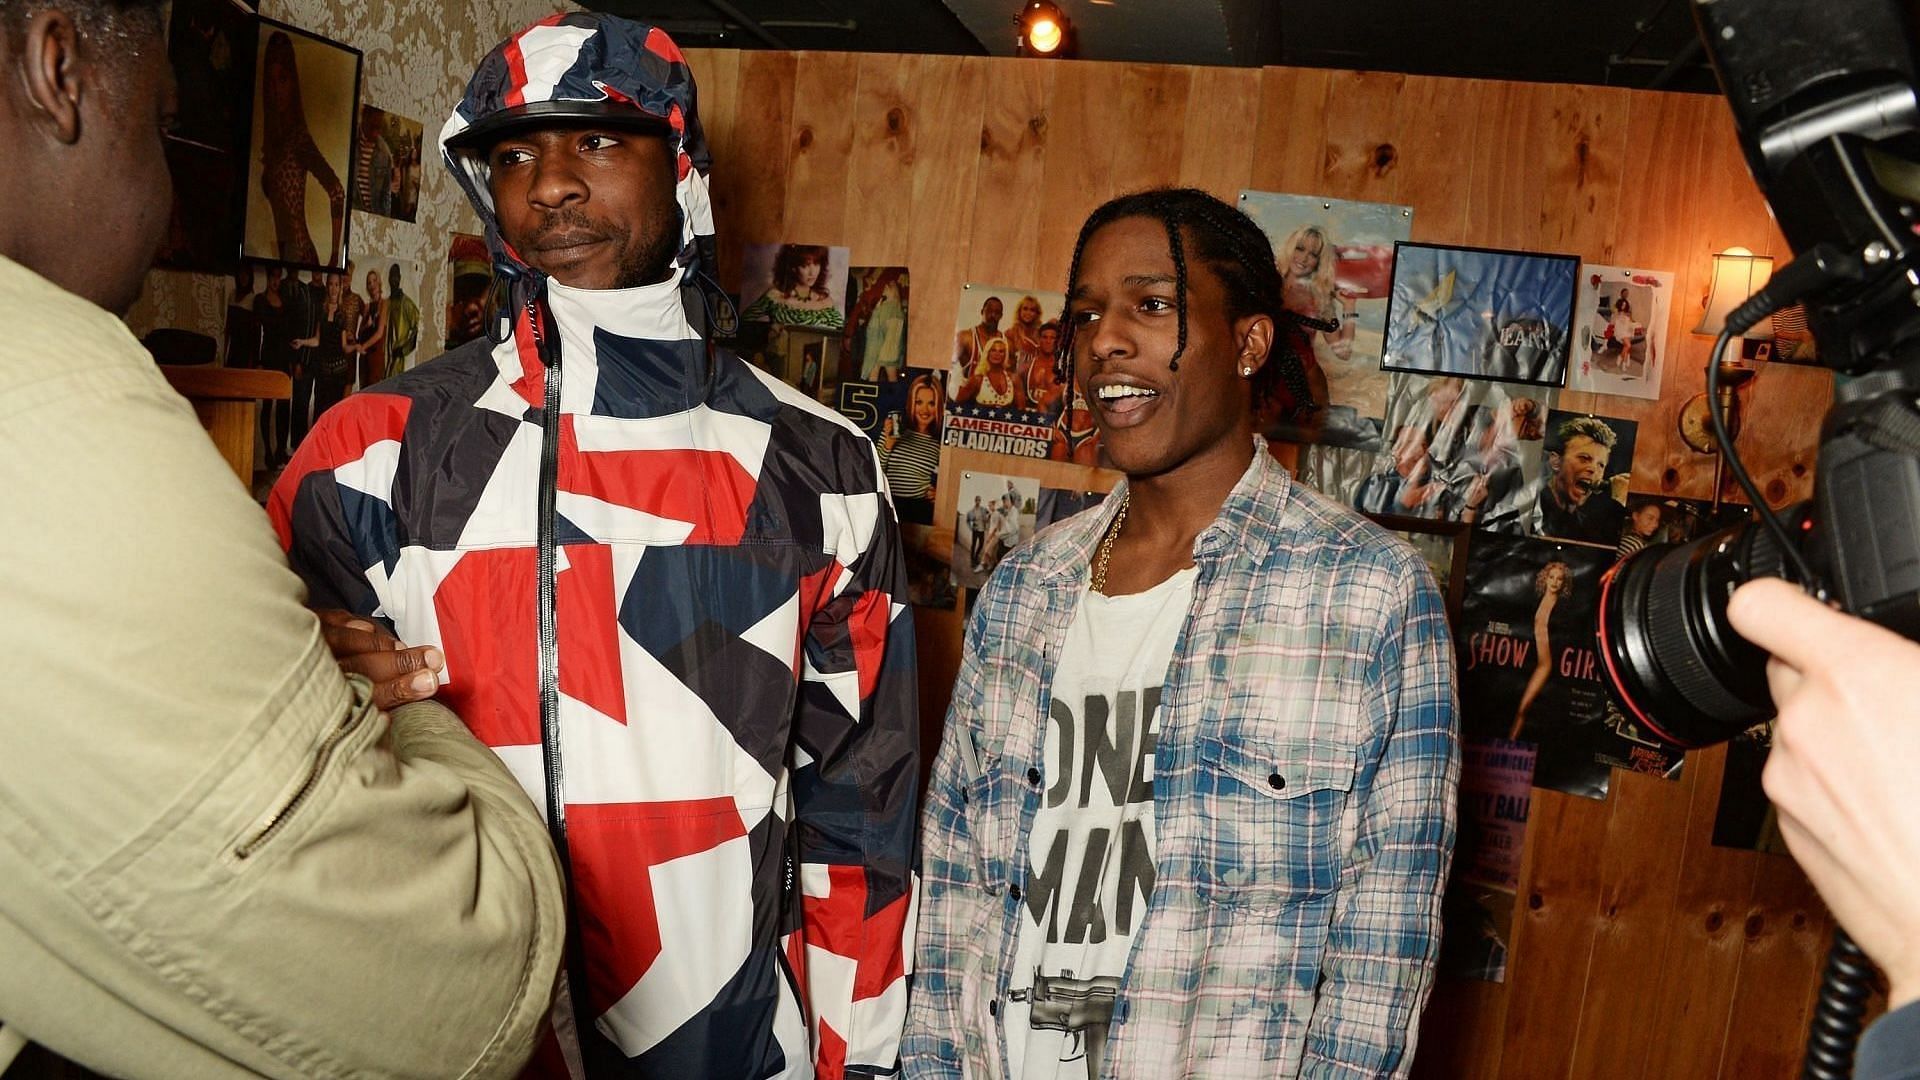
(1033, 777)
(963, 795)
(993, 1007)
(1277, 782)
(1014, 891)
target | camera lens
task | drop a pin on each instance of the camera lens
(1673, 661)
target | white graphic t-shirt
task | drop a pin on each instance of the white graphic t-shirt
(1091, 854)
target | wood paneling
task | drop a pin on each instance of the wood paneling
(1636, 941)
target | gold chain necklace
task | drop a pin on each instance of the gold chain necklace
(1105, 553)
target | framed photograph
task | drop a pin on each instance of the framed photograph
(1444, 545)
(1336, 268)
(300, 170)
(1481, 313)
(210, 45)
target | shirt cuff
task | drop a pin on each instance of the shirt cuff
(1891, 1048)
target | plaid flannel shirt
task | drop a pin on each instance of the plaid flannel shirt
(1304, 780)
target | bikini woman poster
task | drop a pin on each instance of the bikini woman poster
(299, 169)
(1336, 270)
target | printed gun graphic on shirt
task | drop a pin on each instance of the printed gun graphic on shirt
(1064, 1003)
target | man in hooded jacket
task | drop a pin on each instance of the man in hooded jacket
(668, 589)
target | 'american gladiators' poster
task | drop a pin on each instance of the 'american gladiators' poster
(1004, 395)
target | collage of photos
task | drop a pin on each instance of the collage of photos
(1481, 313)
(1336, 272)
(1621, 346)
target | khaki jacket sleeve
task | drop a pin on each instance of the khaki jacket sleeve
(220, 859)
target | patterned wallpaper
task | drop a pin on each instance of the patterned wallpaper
(417, 59)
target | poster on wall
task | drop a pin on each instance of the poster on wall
(210, 45)
(1664, 519)
(993, 514)
(389, 332)
(1588, 468)
(903, 418)
(1530, 668)
(1496, 792)
(1480, 312)
(306, 94)
(1336, 270)
(1621, 346)
(386, 167)
(798, 285)
(879, 299)
(1463, 450)
(469, 289)
(1003, 392)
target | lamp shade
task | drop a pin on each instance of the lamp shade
(1737, 275)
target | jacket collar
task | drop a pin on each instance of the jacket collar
(1248, 521)
(638, 338)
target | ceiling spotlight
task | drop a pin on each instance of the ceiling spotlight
(1046, 31)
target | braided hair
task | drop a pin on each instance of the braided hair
(1229, 243)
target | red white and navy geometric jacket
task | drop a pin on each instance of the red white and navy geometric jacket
(735, 731)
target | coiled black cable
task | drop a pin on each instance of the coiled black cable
(1839, 1017)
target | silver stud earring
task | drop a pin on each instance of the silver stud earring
(1246, 373)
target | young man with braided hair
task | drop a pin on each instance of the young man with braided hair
(1193, 809)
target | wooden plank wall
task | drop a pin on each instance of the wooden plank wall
(1639, 949)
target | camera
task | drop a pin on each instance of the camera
(1824, 100)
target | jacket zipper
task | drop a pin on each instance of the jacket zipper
(547, 347)
(321, 757)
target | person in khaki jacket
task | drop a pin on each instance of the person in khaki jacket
(218, 856)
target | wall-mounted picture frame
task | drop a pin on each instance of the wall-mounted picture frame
(1444, 545)
(211, 46)
(1482, 313)
(306, 93)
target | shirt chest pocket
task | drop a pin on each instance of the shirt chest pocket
(1278, 820)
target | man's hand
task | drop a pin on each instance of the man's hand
(399, 675)
(1845, 753)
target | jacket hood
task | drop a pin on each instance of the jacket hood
(584, 65)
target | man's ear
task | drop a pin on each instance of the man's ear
(1254, 337)
(51, 69)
